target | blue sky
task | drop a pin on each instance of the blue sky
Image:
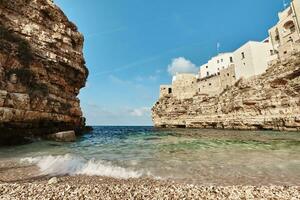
(130, 44)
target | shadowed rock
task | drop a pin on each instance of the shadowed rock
(42, 70)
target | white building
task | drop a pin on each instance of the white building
(216, 64)
(252, 58)
(285, 35)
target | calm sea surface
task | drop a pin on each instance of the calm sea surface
(192, 156)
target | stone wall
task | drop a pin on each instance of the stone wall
(210, 86)
(42, 69)
(184, 86)
(270, 101)
(217, 83)
(165, 90)
(228, 77)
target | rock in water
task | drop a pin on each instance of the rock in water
(42, 69)
(64, 136)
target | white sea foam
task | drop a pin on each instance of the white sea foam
(75, 165)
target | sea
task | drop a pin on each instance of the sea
(195, 156)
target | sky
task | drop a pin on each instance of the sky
(133, 46)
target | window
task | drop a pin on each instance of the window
(277, 37)
(227, 74)
(209, 84)
(206, 67)
(221, 60)
(231, 59)
(292, 29)
(289, 25)
(243, 55)
(170, 90)
(271, 52)
(218, 69)
(207, 73)
(218, 61)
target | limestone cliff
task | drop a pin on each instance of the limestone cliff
(270, 101)
(42, 69)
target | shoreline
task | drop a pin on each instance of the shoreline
(96, 187)
(23, 177)
(24, 182)
(175, 127)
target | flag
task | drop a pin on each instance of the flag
(218, 47)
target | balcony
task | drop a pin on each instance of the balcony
(289, 28)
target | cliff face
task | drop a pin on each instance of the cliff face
(270, 101)
(42, 69)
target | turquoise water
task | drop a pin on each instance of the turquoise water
(192, 156)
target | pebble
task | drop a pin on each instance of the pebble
(53, 180)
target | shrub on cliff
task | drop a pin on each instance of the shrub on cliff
(27, 78)
(23, 48)
(2, 2)
(23, 52)
(38, 90)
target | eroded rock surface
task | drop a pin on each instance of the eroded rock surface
(270, 101)
(64, 136)
(42, 69)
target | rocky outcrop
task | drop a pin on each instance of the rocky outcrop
(270, 101)
(42, 69)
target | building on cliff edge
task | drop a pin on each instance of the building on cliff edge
(286, 33)
(250, 60)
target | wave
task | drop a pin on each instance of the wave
(74, 165)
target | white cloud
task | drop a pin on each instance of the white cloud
(182, 65)
(153, 78)
(139, 112)
(102, 115)
(118, 80)
(158, 71)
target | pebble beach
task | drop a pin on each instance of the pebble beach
(85, 187)
(26, 182)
